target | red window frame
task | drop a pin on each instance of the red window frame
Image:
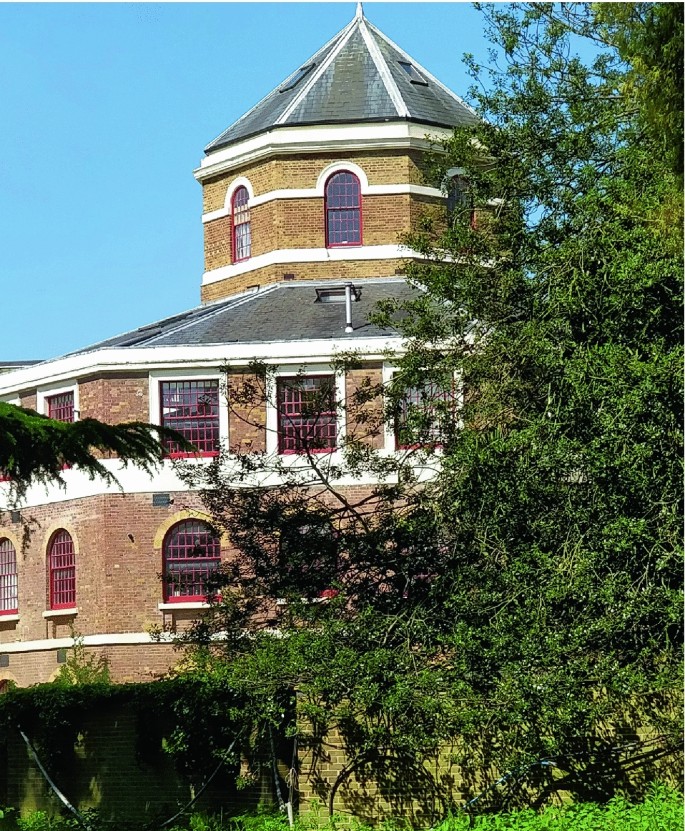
(62, 571)
(422, 398)
(343, 210)
(241, 229)
(307, 414)
(185, 569)
(9, 586)
(191, 407)
(61, 406)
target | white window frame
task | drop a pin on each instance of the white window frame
(390, 438)
(284, 371)
(195, 374)
(47, 391)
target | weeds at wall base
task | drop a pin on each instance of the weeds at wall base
(662, 810)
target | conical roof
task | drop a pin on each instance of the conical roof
(360, 75)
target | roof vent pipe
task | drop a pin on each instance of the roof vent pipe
(348, 308)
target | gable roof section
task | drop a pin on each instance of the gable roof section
(356, 78)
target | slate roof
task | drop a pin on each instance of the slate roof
(356, 77)
(278, 312)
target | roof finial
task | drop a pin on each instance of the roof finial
(360, 12)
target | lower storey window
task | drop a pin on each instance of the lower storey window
(9, 599)
(62, 571)
(192, 554)
(421, 413)
(192, 409)
(307, 417)
(61, 407)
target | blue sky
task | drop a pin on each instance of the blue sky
(104, 112)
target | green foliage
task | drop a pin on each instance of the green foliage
(81, 668)
(525, 594)
(662, 810)
(202, 719)
(35, 448)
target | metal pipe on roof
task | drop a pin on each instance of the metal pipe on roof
(348, 308)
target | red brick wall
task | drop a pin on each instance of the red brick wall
(118, 581)
(246, 413)
(364, 409)
(115, 398)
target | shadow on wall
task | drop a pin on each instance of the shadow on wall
(114, 760)
(620, 758)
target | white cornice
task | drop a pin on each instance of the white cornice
(285, 256)
(117, 639)
(135, 359)
(342, 139)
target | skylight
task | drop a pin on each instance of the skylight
(295, 79)
(336, 294)
(414, 75)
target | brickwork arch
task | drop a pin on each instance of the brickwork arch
(164, 527)
(15, 539)
(50, 531)
(339, 167)
(6, 675)
(240, 182)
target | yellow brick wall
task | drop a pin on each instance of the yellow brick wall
(302, 171)
(299, 223)
(338, 271)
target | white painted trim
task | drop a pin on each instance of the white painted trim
(119, 639)
(389, 369)
(60, 612)
(240, 182)
(188, 374)
(8, 619)
(185, 358)
(285, 256)
(219, 213)
(330, 137)
(318, 191)
(289, 371)
(337, 167)
(384, 72)
(179, 607)
(48, 390)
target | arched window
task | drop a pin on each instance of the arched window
(343, 207)
(460, 206)
(9, 599)
(240, 223)
(62, 571)
(192, 553)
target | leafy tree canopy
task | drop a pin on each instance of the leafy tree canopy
(529, 590)
(35, 448)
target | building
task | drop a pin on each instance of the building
(305, 199)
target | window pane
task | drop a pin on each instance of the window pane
(61, 407)
(8, 577)
(421, 413)
(192, 554)
(191, 408)
(62, 567)
(343, 210)
(307, 417)
(242, 237)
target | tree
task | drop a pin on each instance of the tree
(530, 591)
(35, 448)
